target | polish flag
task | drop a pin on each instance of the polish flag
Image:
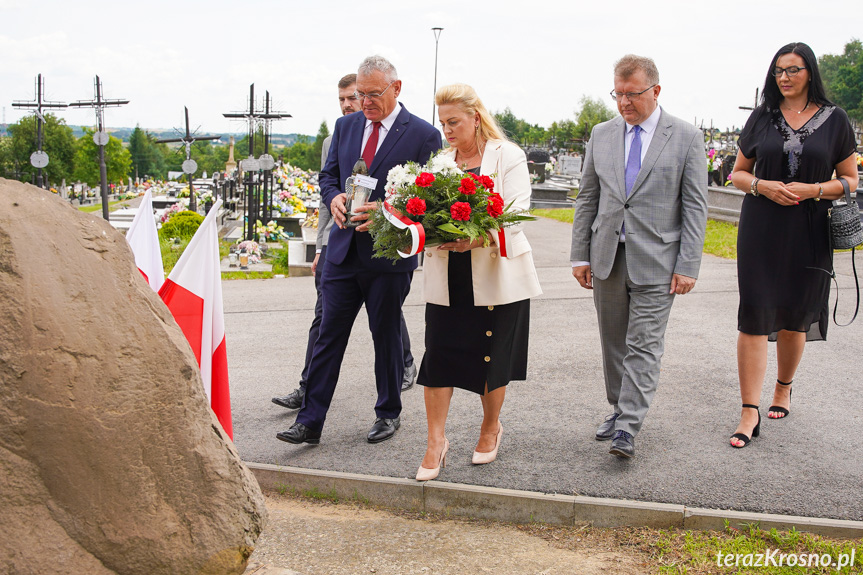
(144, 241)
(193, 293)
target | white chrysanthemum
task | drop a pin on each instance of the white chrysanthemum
(398, 177)
(443, 164)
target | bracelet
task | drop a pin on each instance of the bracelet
(753, 187)
(820, 193)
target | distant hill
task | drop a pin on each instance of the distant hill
(277, 140)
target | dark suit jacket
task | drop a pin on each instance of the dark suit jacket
(411, 139)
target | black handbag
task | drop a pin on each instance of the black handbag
(846, 233)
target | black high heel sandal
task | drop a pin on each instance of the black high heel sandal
(776, 409)
(756, 431)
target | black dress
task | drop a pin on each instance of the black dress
(783, 252)
(468, 345)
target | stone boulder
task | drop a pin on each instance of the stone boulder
(110, 458)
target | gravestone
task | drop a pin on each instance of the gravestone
(110, 457)
(570, 165)
(536, 160)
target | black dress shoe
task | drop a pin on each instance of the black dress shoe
(605, 431)
(299, 433)
(623, 445)
(383, 429)
(293, 400)
(410, 375)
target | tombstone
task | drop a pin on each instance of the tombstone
(536, 160)
(570, 165)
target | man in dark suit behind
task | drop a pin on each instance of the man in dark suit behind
(385, 135)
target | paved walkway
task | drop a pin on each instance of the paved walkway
(808, 465)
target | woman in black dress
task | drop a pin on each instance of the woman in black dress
(788, 152)
(478, 297)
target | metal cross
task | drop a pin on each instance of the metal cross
(250, 164)
(100, 137)
(39, 159)
(189, 166)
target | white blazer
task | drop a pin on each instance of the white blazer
(503, 272)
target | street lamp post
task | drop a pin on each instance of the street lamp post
(437, 32)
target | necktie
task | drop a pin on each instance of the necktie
(372, 145)
(633, 163)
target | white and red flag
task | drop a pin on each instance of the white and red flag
(144, 241)
(193, 293)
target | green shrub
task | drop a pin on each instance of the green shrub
(181, 225)
(280, 260)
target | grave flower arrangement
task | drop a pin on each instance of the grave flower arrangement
(175, 208)
(437, 203)
(251, 248)
(289, 203)
(270, 232)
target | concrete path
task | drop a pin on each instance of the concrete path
(807, 465)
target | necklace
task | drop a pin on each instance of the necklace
(803, 110)
(465, 160)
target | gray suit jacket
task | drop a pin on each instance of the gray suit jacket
(665, 214)
(325, 219)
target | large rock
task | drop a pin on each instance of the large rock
(110, 458)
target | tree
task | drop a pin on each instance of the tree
(843, 78)
(118, 160)
(302, 154)
(147, 156)
(593, 111)
(514, 128)
(57, 141)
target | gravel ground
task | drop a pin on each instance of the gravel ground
(315, 538)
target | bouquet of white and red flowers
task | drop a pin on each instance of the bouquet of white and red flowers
(436, 203)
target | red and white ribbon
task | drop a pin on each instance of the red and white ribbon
(418, 233)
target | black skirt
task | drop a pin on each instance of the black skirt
(469, 346)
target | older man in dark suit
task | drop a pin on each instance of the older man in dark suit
(384, 135)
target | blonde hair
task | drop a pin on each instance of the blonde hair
(466, 99)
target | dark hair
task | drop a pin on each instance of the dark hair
(347, 81)
(771, 96)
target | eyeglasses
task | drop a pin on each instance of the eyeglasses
(791, 71)
(629, 95)
(373, 96)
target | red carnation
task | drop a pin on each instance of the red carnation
(424, 180)
(460, 211)
(487, 182)
(416, 206)
(474, 176)
(495, 205)
(468, 186)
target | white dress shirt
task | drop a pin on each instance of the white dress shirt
(386, 126)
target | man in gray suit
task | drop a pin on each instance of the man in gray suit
(637, 237)
(349, 103)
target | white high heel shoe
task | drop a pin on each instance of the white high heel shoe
(483, 458)
(424, 474)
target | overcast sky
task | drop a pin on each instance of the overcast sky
(538, 58)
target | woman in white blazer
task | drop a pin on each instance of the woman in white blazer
(477, 298)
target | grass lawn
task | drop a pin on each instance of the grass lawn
(720, 239)
(98, 207)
